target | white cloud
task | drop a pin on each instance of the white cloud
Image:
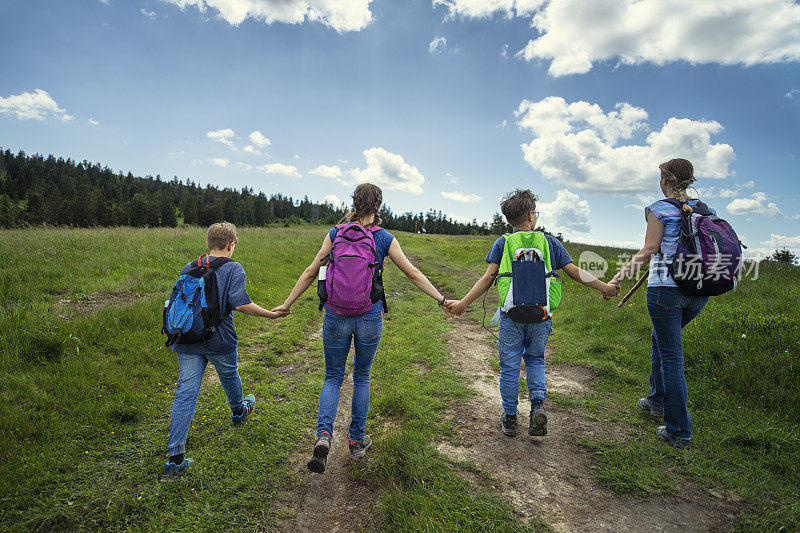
(451, 179)
(149, 14)
(244, 166)
(258, 139)
(389, 171)
(103, 1)
(643, 200)
(333, 200)
(463, 220)
(279, 168)
(341, 15)
(502, 125)
(504, 52)
(488, 8)
(250, 150)
(37, 105)
(326, 171)
(576, 145)
(437, 45)
(93, 122)
(776, 242)
(576, 34)
(754, 206)
(747, 185)
(462, 197)
(566, 214)
(794, 94)
(220, 162)
(222, 136)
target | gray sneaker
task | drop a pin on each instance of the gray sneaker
(320, 456)
(538, 423)
(359, 447)
(508, 423)
(664, 435)
(646, 405)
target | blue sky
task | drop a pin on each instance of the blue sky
(445, 104)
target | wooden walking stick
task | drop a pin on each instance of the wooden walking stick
(630, 292)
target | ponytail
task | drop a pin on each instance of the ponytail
(679, 176)
(367, 200)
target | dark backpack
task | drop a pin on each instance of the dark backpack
(192, 314)
(708, 257)
(354, 277)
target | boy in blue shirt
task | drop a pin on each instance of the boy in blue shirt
(220, 350)
(526, 340)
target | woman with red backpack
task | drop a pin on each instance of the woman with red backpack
(354, 303)
(695, 254)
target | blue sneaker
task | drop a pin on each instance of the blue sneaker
(247, 408)
(172, 470)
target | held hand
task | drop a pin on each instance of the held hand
(457, 308)
(446, 308)
(610, 291)
(281, 311)
(277, 314)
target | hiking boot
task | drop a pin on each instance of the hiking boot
(674, 441)
(538, 423)
(359, 447)
(247, 407)
(508, 423)
(646, 405)
(172, 470)
(320, 456)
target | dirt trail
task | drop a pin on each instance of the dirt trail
(330, 502)
(551, 477)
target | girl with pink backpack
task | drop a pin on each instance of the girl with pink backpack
(352, 296)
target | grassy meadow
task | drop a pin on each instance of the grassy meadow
(86, 388)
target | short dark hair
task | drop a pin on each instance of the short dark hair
(516, 206)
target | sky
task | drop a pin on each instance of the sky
(445, 104)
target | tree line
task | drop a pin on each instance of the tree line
(37, 190)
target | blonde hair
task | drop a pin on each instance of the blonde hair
(679, 176)
(367, 200)
(220, 235)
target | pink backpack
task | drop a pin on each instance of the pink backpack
(354, 280)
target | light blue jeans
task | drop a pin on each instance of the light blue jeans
(191, 367)
(337, 333)
(670, 311)
(518, 342)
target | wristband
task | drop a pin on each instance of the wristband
(444, 299)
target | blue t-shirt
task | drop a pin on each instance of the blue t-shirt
(559, 257)
(670, 216)
(231, 293)
(383, 240)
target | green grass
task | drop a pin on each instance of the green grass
(86, 393)
(742, 359)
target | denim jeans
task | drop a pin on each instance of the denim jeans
(191, 367)
(670, 311)
(518, 342)
(337, 333)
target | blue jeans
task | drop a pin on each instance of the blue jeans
(191, 367)
(337, 332)
(518, 342)
(670, 311)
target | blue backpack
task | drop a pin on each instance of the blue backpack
(192, 314)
